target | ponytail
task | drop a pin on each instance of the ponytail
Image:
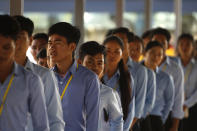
(125, 89)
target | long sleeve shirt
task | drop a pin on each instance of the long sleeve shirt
(139, 74)
(150, 93)
(164, 95)
(113, 83)
(110, 106)
(52, 97)
(176, 72)
(80, 102)
(190, 83)
(25, 96)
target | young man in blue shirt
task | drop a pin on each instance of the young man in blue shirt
(21, 92)
(136, 49)
(39, 42)
(185, 50)
(78, 86)
(92, 56)
(53, 102)
(169, 66)
(164, 87)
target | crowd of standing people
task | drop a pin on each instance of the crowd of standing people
(125, 83)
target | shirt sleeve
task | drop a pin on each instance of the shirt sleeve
(169, 99)
(151, 93)
(177, 109)
(92, 104)
(140, 83)
(37, 105)
(53, 103)
(192, 100)
(115, 113)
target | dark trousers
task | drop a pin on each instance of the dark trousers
(190, 123)
(168, 123)
(156, 123)
(145, 124)
(136, 127)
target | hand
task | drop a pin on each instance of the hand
(173, 129)
(184, 107)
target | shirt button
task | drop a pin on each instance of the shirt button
(61, 82)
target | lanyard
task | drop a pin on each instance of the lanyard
(6, 93)
(67, 84)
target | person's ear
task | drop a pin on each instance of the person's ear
(30, 40)
(72, 46)
(79, 61)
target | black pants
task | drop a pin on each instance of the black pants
(156, 123)
(168, 123)
(136, 126)
(145, 124)
(190, 123)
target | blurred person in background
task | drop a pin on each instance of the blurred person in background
(39, 42)
(42, 58)
(185, 52)
(172, 68)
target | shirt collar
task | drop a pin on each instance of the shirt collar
(167, 60)
(28, 65)
(157, 70)
(130, 62)
(193, 61)
(16, 69)
(117, 74)
(72, 69)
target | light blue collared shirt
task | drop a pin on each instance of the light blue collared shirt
(26, 95)
(150, 93)
(190, 84)
(164, 95)
(111, 104)
(176, 72)
(113, 83)
(139, 74)
(81, 100)
(52, 97)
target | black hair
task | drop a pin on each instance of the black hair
(43, 36)
(91, 48)
(152, 44)
(187, 36)
(138, 39)
(130, 36)
(124, 80)
(109, 32)
(71, 33)
(25, 24)
(161, 31)
(116, 39)
(147, 34)
(122, 30)
(42, 53)
(9, 27)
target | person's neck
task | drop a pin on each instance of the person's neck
(185, 60)
(64, 65)
(110, 70)
(5, 70)
(150, 66)
(163, 60)
(21, 59)
(125, 59)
